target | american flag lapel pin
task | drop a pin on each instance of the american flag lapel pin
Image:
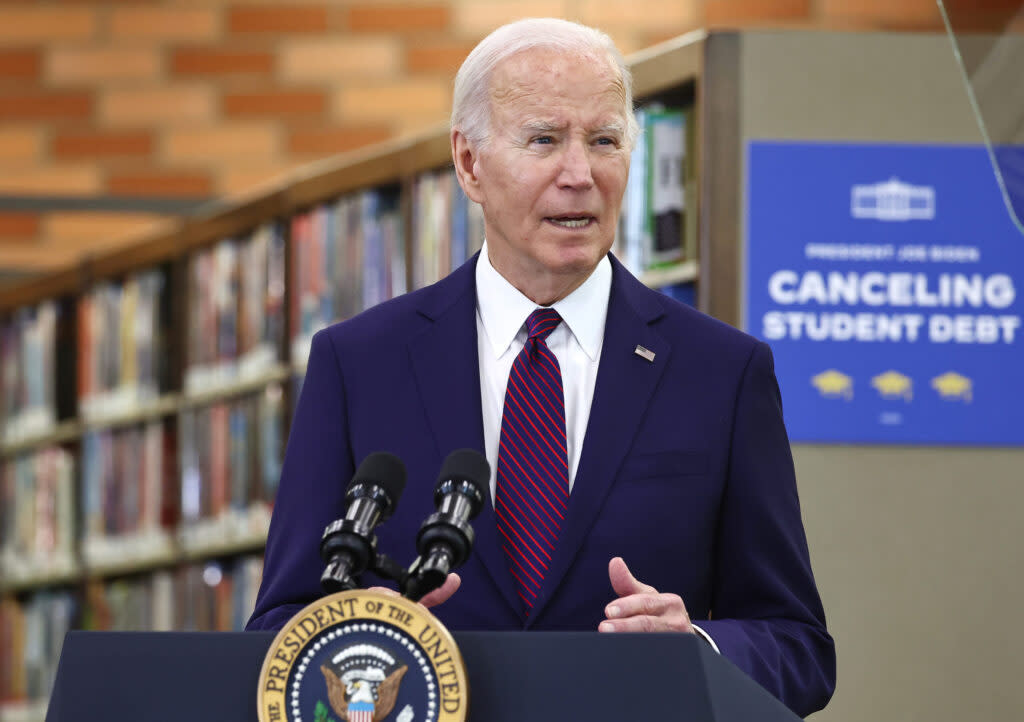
(645, 353)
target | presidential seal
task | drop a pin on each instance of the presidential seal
(361, 656)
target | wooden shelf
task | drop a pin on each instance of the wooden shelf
(253, 543)
(232, 534)
(140, 564)
(661, 277)
(129, 554)
(276, 374)
(31, 711)
(667, 65)
(166, 405)
(70, 574)
(61, 433)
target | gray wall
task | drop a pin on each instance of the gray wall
(916, 549)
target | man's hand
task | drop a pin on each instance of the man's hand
(640, 608)
(443, 593)
(440, 595)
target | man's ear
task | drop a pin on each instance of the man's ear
(464, 156)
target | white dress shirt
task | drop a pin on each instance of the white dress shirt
(501, 312)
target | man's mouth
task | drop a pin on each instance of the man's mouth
(574, 222)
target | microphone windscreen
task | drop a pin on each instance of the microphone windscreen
(383, 469)
(466, 465)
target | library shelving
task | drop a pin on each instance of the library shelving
(146, 393)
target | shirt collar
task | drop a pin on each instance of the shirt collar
(503, 308)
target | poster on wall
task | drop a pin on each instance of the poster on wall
(885, 279)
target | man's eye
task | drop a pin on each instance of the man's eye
(544, 139)
(607, 141)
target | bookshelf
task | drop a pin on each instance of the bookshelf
(156, 382)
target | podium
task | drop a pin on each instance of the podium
(513, 676)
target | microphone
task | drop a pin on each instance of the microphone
(348, 545)
(446, 538)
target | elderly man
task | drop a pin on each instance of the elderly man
(627, 434)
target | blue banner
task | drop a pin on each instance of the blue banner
(885, 279)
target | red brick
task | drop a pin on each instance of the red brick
(66, 179)
(18, 226)
(98, 229)
(443, 57)
(340, 59)
(166, 184)
(224, 143)
(288, 19)
(203, 61)
(20, 145)
(165, 23)
(622, 20)
(20, 64)
(103, 64)
(476, 19)
(275, 103)
(45, 106)
(326, 141)
(422, 99)
(737, 13)
(907, 14)
(71, 145)
(398, 18)
(165, 104)
(46, 25)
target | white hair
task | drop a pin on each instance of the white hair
(471, 111)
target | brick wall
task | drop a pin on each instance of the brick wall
(144, 102)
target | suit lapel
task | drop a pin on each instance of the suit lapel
(447, 370)
(622, 392)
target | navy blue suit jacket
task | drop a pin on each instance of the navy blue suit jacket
(685, 472)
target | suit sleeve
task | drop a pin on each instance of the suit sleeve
(317, 468)
(766, 614)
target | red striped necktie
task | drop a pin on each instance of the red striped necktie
(532, 488)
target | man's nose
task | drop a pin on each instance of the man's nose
(575, 171)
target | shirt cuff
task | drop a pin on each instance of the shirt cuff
(707, 638)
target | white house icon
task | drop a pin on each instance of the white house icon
(893, 200)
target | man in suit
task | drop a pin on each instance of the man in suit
(630, 437)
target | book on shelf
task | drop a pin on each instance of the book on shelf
(431, 227)
(37, 508)
(32, 634)
(230, 461)
(655, 230)
(28, 378)
(121, 338)
(208, 596)
(666, 136)
(346, 255)
(236, 312)
(12, 643)
(447, 227)
(136, 603)
(128, 499)
(383, 267)
(215, 595)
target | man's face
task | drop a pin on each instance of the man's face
(552, 176)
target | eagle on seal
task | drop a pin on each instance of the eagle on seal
(359, 693)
